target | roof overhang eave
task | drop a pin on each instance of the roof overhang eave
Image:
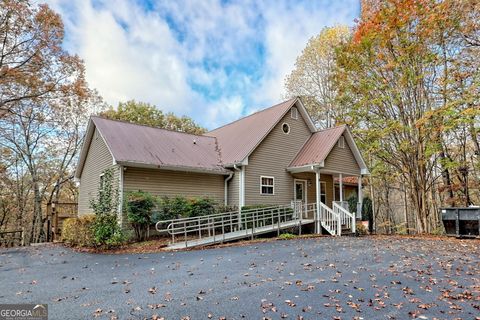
(84, 150)
(306, 168)
(220, 171)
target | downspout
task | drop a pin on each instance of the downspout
(120, 195)
(228, 178)
(240, 194)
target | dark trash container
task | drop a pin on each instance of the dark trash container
(461, 221)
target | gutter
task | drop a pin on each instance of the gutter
(222, 171)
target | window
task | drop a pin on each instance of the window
(286, 128)
(102, 180)
(341, 142)
(323, 192)
(294, 113)
(266, 185)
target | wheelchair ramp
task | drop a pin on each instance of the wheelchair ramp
(235, 225)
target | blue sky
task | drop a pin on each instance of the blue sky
(213, 60)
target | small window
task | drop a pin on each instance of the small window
(294, 113)
(341, 142)
(266, 185)
(102, 180)
(286, 128)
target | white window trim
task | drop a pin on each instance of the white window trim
(296, 113)
(341, 142)
(287, 126)
(266, 185)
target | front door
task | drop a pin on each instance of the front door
(300, 191)
(300, 196)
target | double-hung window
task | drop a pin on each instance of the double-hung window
(267, 185)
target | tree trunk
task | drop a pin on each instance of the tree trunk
(37, 223)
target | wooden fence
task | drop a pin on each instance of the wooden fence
(12, 238)
(57, 212)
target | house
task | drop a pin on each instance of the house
(274, 156)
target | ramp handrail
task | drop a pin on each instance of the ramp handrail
(218, 224)
(346, 218)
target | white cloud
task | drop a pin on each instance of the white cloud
(288, 29)
(194, 57)
(225, 110)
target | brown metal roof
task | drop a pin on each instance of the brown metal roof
(349, 180)
(142, 145)
(239, 138)
(317, 148)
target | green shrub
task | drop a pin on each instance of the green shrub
(171, 208)
(181, 207)
(107, 232)
(106, 201)
(139, 206)
(367, 209)
(352, 203)
(438, 231)
(201, 207)
(286, 236)
(163, 211)
(401, 229)
(79, 231)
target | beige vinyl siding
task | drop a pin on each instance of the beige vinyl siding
(271, 158)
(98, 160)
(342, 160)
(232, 199)
(174, 183)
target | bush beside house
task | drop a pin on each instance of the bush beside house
(78, 231)
(139, 206)
(142, 209)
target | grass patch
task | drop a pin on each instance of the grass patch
(287, 236)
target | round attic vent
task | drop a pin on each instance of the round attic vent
(286, 128)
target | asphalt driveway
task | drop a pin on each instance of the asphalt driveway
(324, 278)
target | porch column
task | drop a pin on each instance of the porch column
(360, 198)
(340, 176)
(318, 192)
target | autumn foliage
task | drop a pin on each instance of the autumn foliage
(407, 81)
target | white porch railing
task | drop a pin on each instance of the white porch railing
(347, 218)
(329, 220)
(343, 204)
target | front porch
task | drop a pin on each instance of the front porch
(313, 185)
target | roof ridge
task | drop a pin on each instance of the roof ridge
(149, 126)
(250, 115)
